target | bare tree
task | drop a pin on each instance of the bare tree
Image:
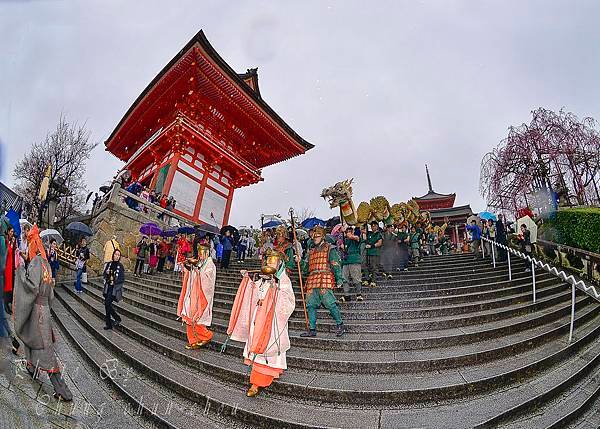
(302, 214)
(66, 150)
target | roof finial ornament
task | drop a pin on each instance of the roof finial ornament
(428, 178)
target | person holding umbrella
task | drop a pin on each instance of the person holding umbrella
(140, 250)
(227, 242)
(53, 258)
(83, 254)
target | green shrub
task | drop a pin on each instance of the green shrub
(575, 227)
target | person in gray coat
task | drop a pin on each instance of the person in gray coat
(34, 293)
(114, 277)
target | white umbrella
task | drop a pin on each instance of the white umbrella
(473, 218)
(531, 226)
(25, 222)
(49, 234)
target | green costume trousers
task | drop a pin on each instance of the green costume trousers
(314, 301)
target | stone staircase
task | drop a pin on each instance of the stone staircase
(448, 344)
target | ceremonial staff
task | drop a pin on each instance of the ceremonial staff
(298, 265)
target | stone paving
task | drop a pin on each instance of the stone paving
(25, 403)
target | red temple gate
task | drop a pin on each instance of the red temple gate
(199, 131)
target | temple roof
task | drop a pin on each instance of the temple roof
(251, 79)
(432, 195)
(452, 211)
(168, 77)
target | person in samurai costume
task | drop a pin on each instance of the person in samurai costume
(324, 269)
(33, 296)
(284, 246)
(259, 317)
(196, 298)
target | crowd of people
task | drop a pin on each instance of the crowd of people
(497, 231)
(152, 197)
(371, 252)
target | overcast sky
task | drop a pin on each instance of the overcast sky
(380, 88)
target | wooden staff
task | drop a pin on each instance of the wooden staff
(298, 266)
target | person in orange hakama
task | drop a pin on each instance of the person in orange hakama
(196, 298)
(259, 317)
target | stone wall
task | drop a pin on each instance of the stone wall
(124, 223)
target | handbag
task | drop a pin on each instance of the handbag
(84, 278)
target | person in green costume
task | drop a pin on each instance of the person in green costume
(443, 240)
(431, 239)
(351, 265)
(373, 245)
(323, 270)
(403, 245)
(415, 245)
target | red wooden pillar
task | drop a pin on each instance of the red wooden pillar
(228, 207)
(169, 180)
(207, 170)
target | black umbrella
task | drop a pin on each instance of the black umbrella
(233, 230)
(79, 228)
(333, 222)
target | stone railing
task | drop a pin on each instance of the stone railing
(588, 263)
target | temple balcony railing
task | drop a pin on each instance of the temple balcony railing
(153, 212)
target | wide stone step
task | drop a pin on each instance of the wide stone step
(203, 388)
(390, 312)
(586, 417)
(452, 350)
(383, 285)
(379, 293)
(326, 325)
(376, 389)
(378, 300)
(144, 395)
(475, 411)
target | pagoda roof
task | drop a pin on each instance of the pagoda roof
(167, 78)
(432, 195)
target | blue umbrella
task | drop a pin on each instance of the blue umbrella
(311, 222)
(79, 228)
(13, 218)
(272, 224)
(150, 228)
(186, 230)
(488, 216)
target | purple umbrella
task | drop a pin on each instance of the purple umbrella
(150, 228)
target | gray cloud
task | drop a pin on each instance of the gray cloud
(381, 88)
